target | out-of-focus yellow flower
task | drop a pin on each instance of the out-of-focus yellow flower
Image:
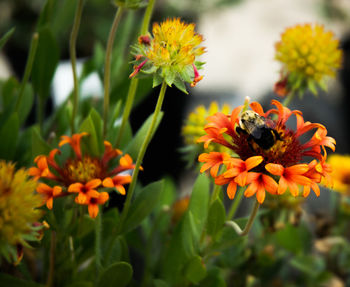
(18, 213)
(195, 122)
(170, 54)
(340, 172)
(308, 54)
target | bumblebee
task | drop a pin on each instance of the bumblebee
(258, 128)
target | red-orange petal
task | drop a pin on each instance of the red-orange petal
(75, 187)
(121, 189)
(104, 196)
(93, 183)
(274, 168)
(108, 182)
(270, 184)
(282, 185)
(231, 189)
(253, 161)
(93, 210)
(260, 194)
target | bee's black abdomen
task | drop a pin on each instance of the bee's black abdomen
(267, 138)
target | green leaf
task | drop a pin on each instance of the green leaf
(97, 121)
(81, 284)
(45, 62)
(8, 92)
(118, 274)
(159, 283)
(26, 103)
(8, 280)
(157, 80)
(46, 14)
(39, 146)
(143, 205)
(294, 239)
(195, 270)
(9, 134)
(135, 145)
(188, 232)
(179, 83)
(187, 74)
(169, 76)
(6, 37)
(216, 217)
(91, 140)
(198, 205)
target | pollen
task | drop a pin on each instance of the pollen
(83, 170)
(18, 213)
(308, 54)
(196, 120)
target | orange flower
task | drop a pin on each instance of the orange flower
(49, 193)
(212, 160)
(237, 173)
(83, 173)
(260, 182)
(85, 190)
(94, 200)
(283, 159)
(74, 142)
(117, 182)
(289, 176)
(42, 169)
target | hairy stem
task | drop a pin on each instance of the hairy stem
(235, 204)
(141, 154)
(134, 81)
(249, 224)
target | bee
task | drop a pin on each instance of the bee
(258, 128)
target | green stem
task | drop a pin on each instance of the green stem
(28, 68)
(107, 72)
(235, 204)
(98, 231)
(127, 109)
(288, 99)
(134, 81)
(49, 281)
(147, 17)
(73, 58)
(141, 154)
(249, 224)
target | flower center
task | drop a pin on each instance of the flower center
(83, 170)
(286, 150)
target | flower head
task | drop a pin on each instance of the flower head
(308, 54)
(170, 54)
(196, 120)
(82, 174)
(18, 213)
(268, 155)
(340, 172)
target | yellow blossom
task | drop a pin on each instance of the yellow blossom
(194, 124)
(340, 172)
(18, 213)
(171, 53)
(308, 53)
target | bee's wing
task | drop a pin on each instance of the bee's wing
(256, 132)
